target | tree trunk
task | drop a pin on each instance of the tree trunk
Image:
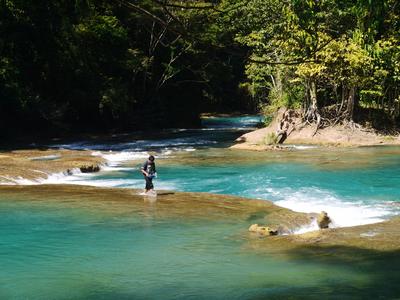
(278, 83)
(306, 103)
(313, 95)
(312, 114)
(311, 107)
(351, 103)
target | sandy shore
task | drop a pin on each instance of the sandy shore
(34, 164)
(334, 136)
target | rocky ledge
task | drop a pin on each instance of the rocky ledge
(384, 236)
(36, 164)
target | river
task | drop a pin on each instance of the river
(73, 247)
(354, 185)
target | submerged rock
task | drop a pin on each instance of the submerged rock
(263, 230)
(253, 228)
(323, 220)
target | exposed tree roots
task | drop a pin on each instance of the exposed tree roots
(287, 124)
(326, 117)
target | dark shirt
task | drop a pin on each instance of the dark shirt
(150, 168)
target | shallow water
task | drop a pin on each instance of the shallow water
(72, 249)
(51, 249)
(359, 191)
(355, 186)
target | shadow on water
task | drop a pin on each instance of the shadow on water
(375, 275)
(213, 132)
(257, 216)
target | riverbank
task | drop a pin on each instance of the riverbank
(349, 135)
(37, 164)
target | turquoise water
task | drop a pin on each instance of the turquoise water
(355, 186)
(51, 251)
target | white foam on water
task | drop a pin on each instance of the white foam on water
(46, 157)
(368, 234)
(97, 153)
(303, 147)
(119, 157)
(110, 168)
(115, 161)
(179, 142)
(62, 177)
(123, 156)
(343, 213)
(167, 152)
(52, 178)
(161, 144)
(8, 181)
(122, 183)
(23, 181)
(313, 226)
(78, 178)
(137, 146)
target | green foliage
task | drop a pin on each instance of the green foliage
(98, 64)
(104, 33)
(321, 53)
(102, 64)
(268, 118)
(271, 139)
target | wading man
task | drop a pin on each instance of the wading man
(149, 172)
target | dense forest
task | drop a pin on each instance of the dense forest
(71, 66)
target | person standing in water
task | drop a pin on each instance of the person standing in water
(149, 172)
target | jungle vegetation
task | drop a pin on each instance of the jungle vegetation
(86, 65)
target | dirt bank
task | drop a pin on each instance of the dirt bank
(349, 135)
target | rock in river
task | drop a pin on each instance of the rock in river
(323, 220)
(89, 168)
(263, 230)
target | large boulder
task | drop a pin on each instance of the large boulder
(323, 220)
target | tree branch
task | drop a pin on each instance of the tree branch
(149, 15)
(270, 62)
(167, 4)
